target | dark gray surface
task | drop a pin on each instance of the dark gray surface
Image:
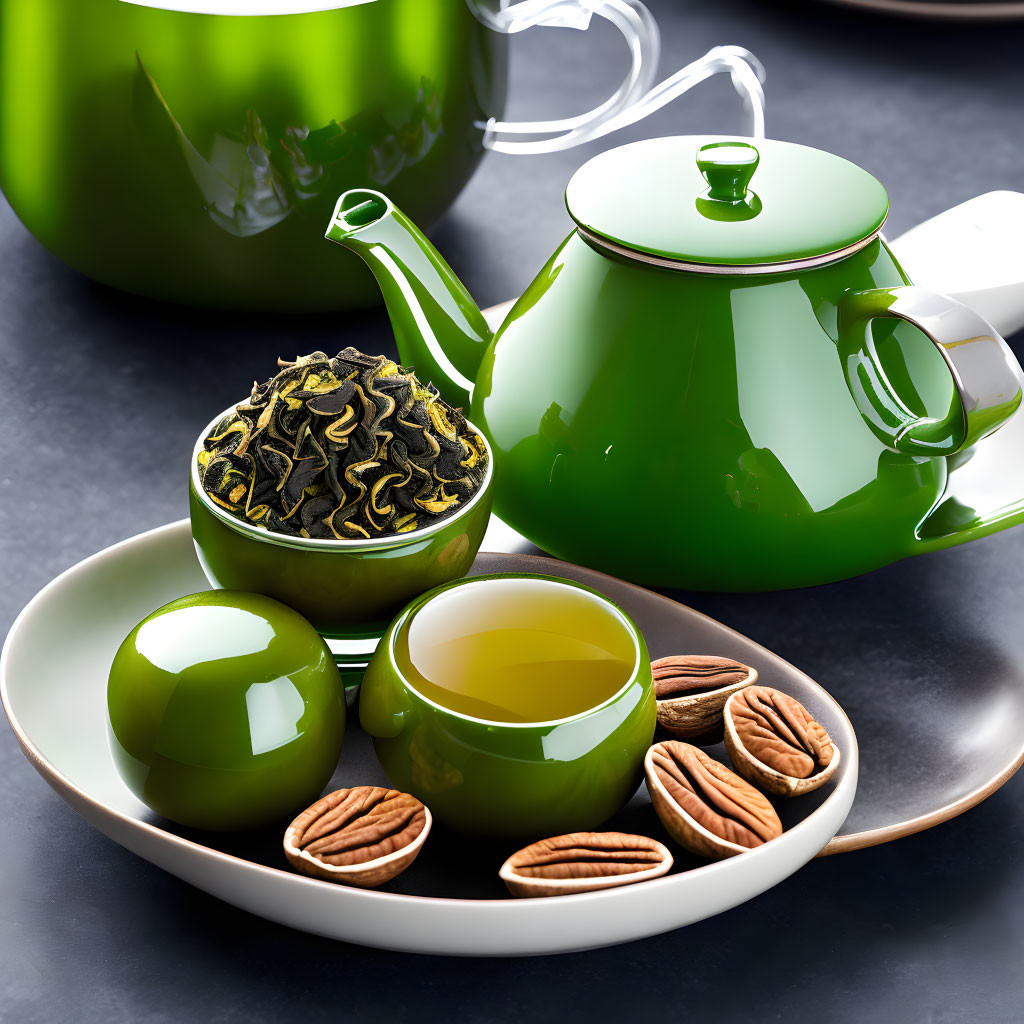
(95, 421)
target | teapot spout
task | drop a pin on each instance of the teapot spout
(440, 331)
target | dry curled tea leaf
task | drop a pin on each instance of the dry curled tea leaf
(363, 836)
(582, 861)
(705, 807)
(692, 689)
(775, 742)
(349, 447)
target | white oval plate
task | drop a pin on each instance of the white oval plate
(53, 674)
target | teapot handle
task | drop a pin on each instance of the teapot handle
(635, 98)
(986, 374)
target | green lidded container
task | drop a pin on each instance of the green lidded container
(722, 379)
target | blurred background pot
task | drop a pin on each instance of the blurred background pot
(190, 150)
(192, 157)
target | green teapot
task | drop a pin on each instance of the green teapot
(722, 379)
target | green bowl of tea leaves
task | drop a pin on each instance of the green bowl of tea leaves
(343, 487)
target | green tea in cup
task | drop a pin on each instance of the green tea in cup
(516, 650)
(512, 705)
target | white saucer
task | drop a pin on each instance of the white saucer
(53, 675)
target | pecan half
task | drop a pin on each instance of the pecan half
(691, 690)
(582, 861)
(775, 742)
(705, 807)
(363, 836)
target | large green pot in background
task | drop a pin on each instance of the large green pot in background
(190, 150)
(193, 157)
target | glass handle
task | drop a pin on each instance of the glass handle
(986, 376)
(637, 96)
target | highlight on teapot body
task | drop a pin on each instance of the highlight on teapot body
(350, 447)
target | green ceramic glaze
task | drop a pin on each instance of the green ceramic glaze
(672, 197)
(226, 711)
(346, 588)
(195, 157)
(728, 167)
(702, 426)
(503, 779)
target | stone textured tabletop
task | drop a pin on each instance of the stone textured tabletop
(928, 929)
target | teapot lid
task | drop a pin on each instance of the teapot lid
(726, 205)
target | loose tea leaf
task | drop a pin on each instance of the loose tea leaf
(347, 447)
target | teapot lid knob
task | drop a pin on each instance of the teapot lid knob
(728, 167)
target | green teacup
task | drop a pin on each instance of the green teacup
(348, 589)
(505, 778)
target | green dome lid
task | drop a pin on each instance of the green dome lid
(726, 202)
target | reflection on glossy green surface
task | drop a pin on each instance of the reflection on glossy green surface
(195, 157)
(226, 711)
(989, 378)
(502, 779)
(733, 457)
